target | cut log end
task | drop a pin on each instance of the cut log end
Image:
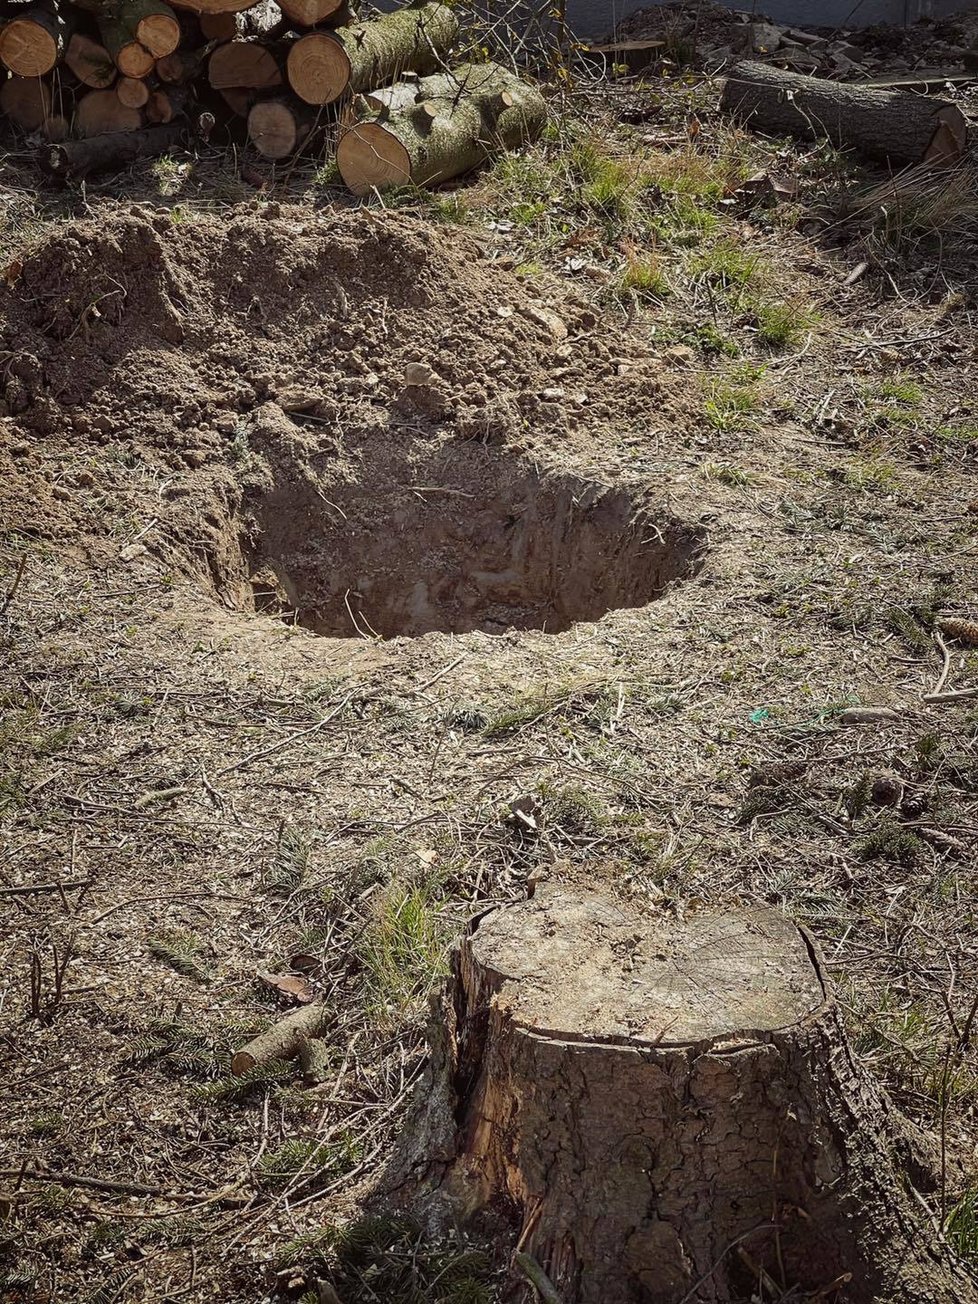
(243, 65)
(370, 157)
(318, 68)
(308, 13)
(132, 92)
(159, 34)
(273, 129)
(27, 49)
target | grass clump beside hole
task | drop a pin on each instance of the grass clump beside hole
(731, 400)
(403, 948)
(724, 267)
(643, 277)
(781, 323)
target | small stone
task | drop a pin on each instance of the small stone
(419, 373)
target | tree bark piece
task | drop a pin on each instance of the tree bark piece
(77, 158)
(451, 124)
(277, 128)
(323, 66)
(34, 41)
(283, 1041)
(132, 92)
(897, 127)
(26, 101)
(99, 112)
(246, 64)
(314, 1060)
(653, 1094)
(90, 62)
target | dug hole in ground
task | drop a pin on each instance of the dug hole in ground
(377, 613)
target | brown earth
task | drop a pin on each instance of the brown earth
(210, 452)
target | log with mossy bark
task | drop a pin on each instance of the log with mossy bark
(899, 128)
(90, 62)
(35, 39)
(324, 66)
(450, 125)
(127, 52)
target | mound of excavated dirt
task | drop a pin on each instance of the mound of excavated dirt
(352, 419)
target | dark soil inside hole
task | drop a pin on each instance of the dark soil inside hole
(475, 543)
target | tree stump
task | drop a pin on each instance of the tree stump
(667, 1111)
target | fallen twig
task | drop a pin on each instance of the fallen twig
(11, 593)
(23, 889)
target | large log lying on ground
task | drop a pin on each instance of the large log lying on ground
(323, 66)
(79, 158)
(439, 127)
(895, 126)
(669, 1110)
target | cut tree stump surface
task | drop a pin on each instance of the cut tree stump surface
(590, 969)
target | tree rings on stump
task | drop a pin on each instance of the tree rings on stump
(669, 1106)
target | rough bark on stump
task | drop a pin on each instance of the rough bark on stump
(670, 1109)
(33, 41)
(454, 122)
(322, 67)
(894, 126)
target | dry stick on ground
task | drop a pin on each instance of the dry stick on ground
(891, 125)
(64, 1178)
(282, 1042)
(25, 889)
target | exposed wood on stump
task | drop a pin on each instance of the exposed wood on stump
(101, 111)
(32, 42)
(662, 1101)
(277, 128)
(453, 123)
(90, 62)
(77, 158)
(900, 128)
(246, 64)
(322, 67)
(281, 1042)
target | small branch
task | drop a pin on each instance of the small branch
(957, 695)
(121, 1188)
(530, 1269)
(945, 669)
(24, 889)
(12, 591)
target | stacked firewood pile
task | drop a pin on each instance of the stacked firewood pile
(106, 81)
